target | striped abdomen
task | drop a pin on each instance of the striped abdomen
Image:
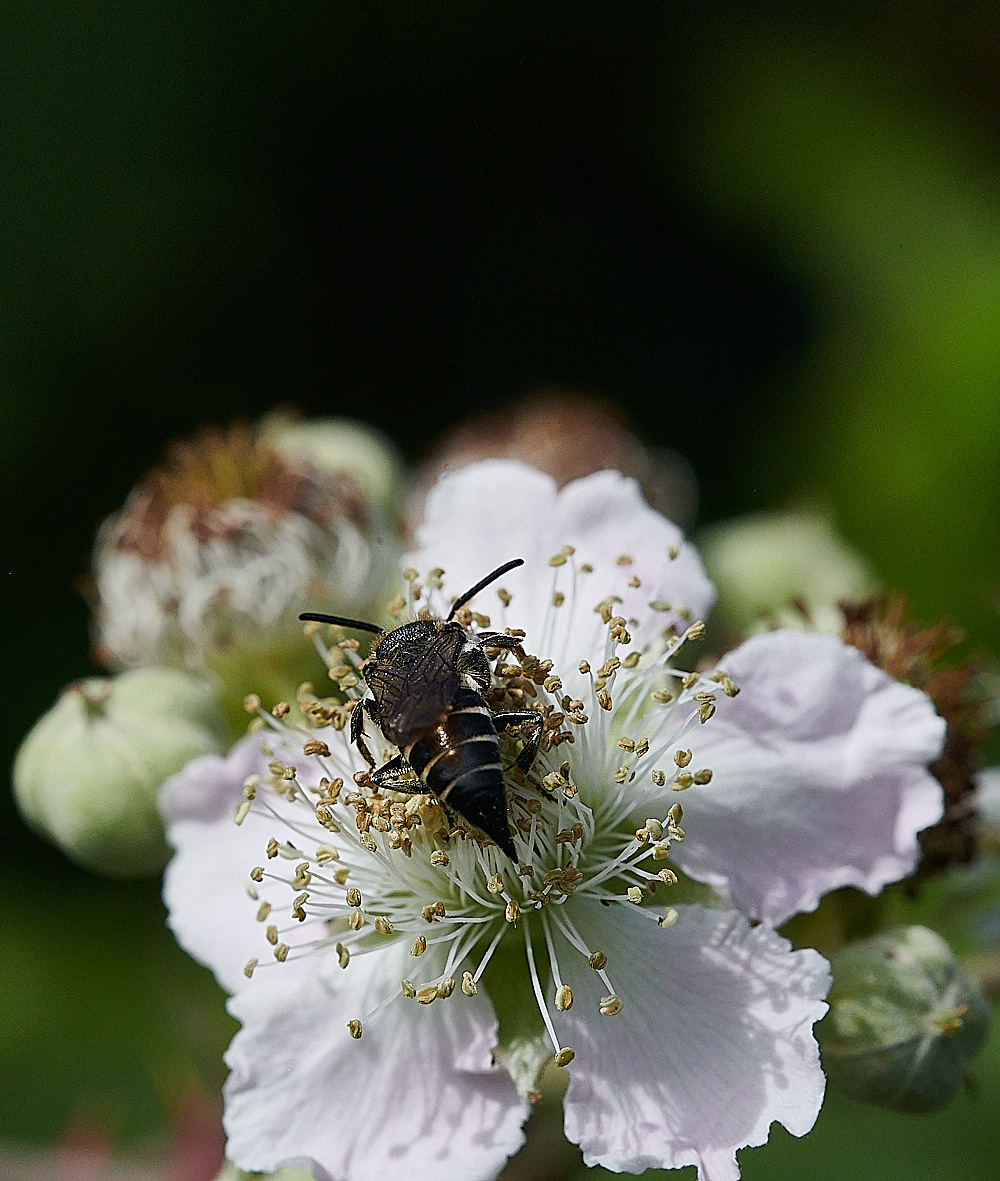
(459, 762)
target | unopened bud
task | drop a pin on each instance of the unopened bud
(905, 1021)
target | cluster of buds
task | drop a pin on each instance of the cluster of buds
(196, 587)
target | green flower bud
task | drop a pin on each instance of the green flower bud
(341, 447)
(905, 1021)
(87, 775)
(765, 562)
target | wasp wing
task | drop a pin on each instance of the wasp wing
(413, 698)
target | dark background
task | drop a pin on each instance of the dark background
(771, 238)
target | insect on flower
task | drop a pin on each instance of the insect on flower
(427, 681)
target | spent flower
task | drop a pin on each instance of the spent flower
(389, 951)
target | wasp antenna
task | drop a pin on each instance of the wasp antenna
(339, 619)
(463, 599)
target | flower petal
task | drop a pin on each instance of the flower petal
(820, 777)
(714, 1041)
(416, 1097)
(496, 510)
(205, 884)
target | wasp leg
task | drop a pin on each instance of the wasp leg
(398, 775)
(472, 663)
(524, 717)
(358, 730)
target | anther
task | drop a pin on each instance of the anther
(469, 986)
(281, 952)
(564, 1057)
(682, 757)
(418, 946)
(557, 560)
(564, 998)
(272, 848)
(353, 897)
(446, 987)
(584, 667)
(598, 960)
(271, 934)
(315, 747)
(512, 912)
(263, 911)
(383, 925)
(356, 920)
(257, 873)
(669, 917)
(635, 894)
(427, 994)
(355, 1028)
(611, 1005)
(251, 703)
(408, 989)
(251, 964)
(703, 777)
(281, 710)
(495, 884)
(343, 955)
(439, 857)
(668, 877)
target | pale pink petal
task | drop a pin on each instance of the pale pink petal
(714, 1041)
(417, 1097)
(205, 884)
(493, 511)
(820, 777)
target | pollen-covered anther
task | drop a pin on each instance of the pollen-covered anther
(513, 911)
(669, 918)
(251, 703)
(662, 696)
(427, 994)
(263, 911)
(250, 965)
(356, 920)
(558, 559)
(584, 667)
(661, 850)
(635, 894)
(446, 987)
(257, 873)
(355, 1028)
(418, 946)
(626, 744)
(315, 747)
(272, 848)
(469, 985)
(668, 877)
(598, 960)
(353, 897)
(689, 680)
(281, 710)
(658, 778)
(705, 711)
(682, 782)
(408, 989)
(325, 854)
(439, 857)
(281, 952)
(432, 911)
(343, 955)
(604, 699)
(564, 1057)
(241, 812)
(564, 998)
(702, 777)
(654, 828)
(271, 934)
(611, 1005)
(383, 925)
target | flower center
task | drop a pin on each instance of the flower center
(375, 866)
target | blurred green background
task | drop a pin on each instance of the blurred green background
(772, 236)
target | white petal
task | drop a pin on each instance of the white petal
(417, 1097)
(714, 1041)
(205, 884)
(497, 510)
(820, 777)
